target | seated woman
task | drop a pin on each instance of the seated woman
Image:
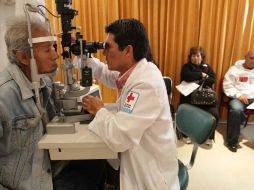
(196, 70)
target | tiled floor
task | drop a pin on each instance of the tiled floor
(218, 168)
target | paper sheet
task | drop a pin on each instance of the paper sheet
(94, 91)
(186, 88)
(251, 106)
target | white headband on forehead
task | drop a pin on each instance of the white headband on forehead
(43, 39)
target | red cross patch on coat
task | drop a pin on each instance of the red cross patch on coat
(130, 102)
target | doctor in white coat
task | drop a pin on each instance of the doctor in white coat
(140, 127)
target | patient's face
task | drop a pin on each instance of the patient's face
(45, 54)
(249, 60)
(196, 58)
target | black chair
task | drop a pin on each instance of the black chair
(169, 83)
(198, 125)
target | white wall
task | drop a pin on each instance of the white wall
(8, 9)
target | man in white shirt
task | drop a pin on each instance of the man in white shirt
(238, 84)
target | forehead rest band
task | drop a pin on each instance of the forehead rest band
(43, 39)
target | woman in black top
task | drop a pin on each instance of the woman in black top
(196, 70)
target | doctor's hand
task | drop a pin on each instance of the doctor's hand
(92, 104)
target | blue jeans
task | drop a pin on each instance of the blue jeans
(235, 117)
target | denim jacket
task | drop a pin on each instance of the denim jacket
(23, 166)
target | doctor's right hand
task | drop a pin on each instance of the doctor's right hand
(92, 104)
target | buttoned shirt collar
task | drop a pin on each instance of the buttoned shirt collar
(121, 80)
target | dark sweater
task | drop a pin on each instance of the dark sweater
(192, 72)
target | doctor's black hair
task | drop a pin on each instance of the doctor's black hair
(130, 32)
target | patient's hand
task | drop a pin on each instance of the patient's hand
(92, 104)
(243, 99)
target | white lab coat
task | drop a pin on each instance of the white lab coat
(140, 130)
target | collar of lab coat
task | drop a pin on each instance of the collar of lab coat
(135, 72)
(139, 68)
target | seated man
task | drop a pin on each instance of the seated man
(22, 123)
(238, 84)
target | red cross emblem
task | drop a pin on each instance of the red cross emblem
(130, 97)
(130, 102)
